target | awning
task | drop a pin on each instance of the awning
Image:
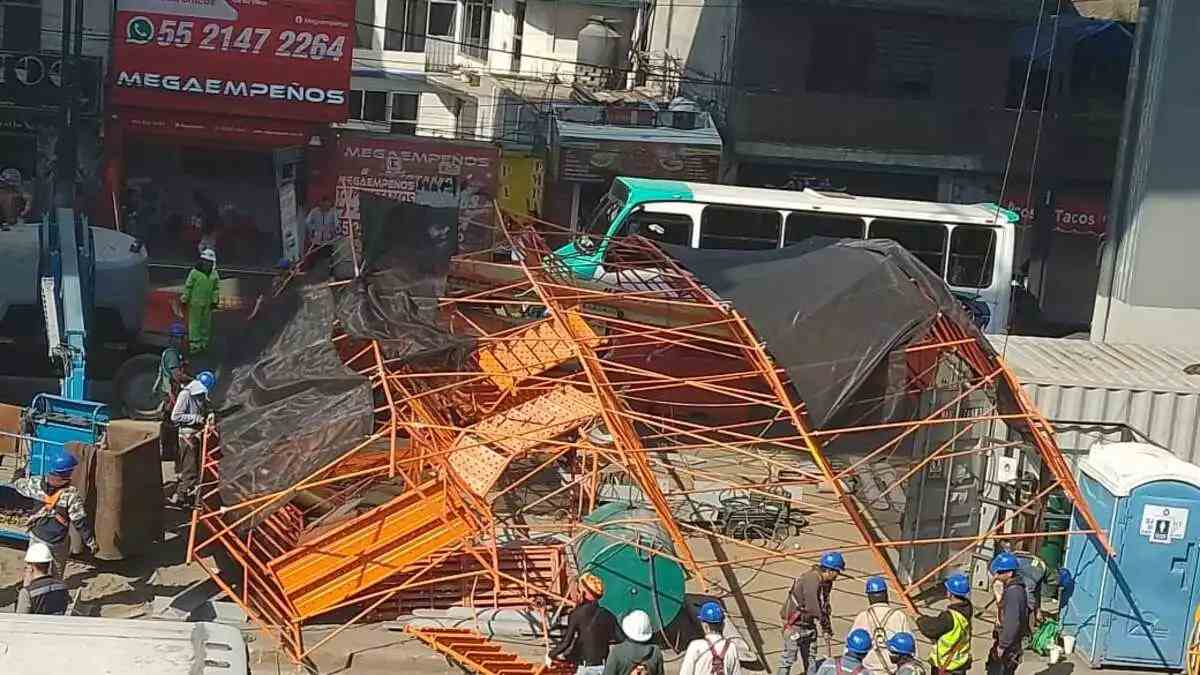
(225, 130)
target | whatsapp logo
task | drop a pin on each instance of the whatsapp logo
(139, 30)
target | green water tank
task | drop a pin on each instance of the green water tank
(633, 576)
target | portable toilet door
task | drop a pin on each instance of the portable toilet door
(1145, 597)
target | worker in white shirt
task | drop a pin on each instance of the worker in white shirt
(881, 620)
(713, 654)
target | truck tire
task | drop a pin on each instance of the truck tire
(133, 387)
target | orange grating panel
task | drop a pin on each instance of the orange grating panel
(367, 550)
(484, 450)
(531, 351)
(477, 654)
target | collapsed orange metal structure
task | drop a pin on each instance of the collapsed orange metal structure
(475, 481)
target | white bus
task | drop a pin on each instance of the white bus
(969, 246)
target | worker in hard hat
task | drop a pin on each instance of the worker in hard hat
(172, 376)
(200, 296)
(190, 415)
(902, 653)
(882, 620)
(712, 654)
(591, 631)
(61, 507)
(637, 655)
(1012, 624)
(951, 629)
(807, 608)
(42, 593)
(858, 643)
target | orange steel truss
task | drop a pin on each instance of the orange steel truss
(473, 486)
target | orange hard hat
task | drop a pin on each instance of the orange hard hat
(592, 584)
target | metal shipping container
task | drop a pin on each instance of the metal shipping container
(1092, 384)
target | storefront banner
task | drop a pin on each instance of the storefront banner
(265, 58)
(33, 81)
(260, 132)
(416, 170)
(1073, 213)
(599, 161)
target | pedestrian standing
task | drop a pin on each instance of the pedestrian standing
(172, 376)
(712, 654)
(591, 631)
(882, 620)
(190, 415)
(858, 643)
(322, 223)
(200, 296)
(61, 507)
(637, 655)
(42, 592)
(1012, 624)
(951, 629)
(807, 608)
(902, 652)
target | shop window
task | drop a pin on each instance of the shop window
(477, 28)
(923, 239)
(364, 24)
(404, 113)
(972, 252)
(731, 227)
(368, 106)
(669, 228)
(21, 22)
(804, 224)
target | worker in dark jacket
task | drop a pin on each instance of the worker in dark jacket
(591, 630)
(1012, 624)
(951, 630)
(43, 593)
(902, 652)
(637, 654)
(806, 608)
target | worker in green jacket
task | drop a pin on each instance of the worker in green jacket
(200, 296)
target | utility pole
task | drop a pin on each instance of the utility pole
(65, 151)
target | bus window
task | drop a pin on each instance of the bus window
(669, 228)
(731, 227)
(804, 224)
(923, 239)
(610, 205)
(972, 256)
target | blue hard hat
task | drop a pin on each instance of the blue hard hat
(958, 584)
(1064, 578)
(62, 464)
(833, 560)
(902, 643)
(177, 330)
(876, 585)
(207, 379)
(711, 612)
(859, 641)
(283, 263)
(1005, 562)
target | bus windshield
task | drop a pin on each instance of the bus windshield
(602, 216)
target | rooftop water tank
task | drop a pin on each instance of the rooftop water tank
(622, 554)
(599, 43)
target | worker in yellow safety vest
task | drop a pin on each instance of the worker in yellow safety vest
(951, 630)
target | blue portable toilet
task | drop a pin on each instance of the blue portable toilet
(1135, 609)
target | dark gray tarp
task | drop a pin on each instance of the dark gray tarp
(829, 310)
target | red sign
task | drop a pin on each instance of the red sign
(404, 168)
(232, 130)
(256, 58)
(1073, 213)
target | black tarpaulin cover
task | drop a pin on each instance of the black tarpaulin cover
(299, 406)
(829, 310)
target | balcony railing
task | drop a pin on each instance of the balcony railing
(439, 55)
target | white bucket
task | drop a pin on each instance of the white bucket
(1068, 644)
(1055, 654)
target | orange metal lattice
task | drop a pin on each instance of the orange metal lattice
(475, 653)
(468, 465)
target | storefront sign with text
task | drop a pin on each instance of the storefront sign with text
(264, 58)
(402, 169)
(596, 162)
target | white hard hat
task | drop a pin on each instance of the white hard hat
(209, 255)
(636, 626)
(38, 553)
(11, 176)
